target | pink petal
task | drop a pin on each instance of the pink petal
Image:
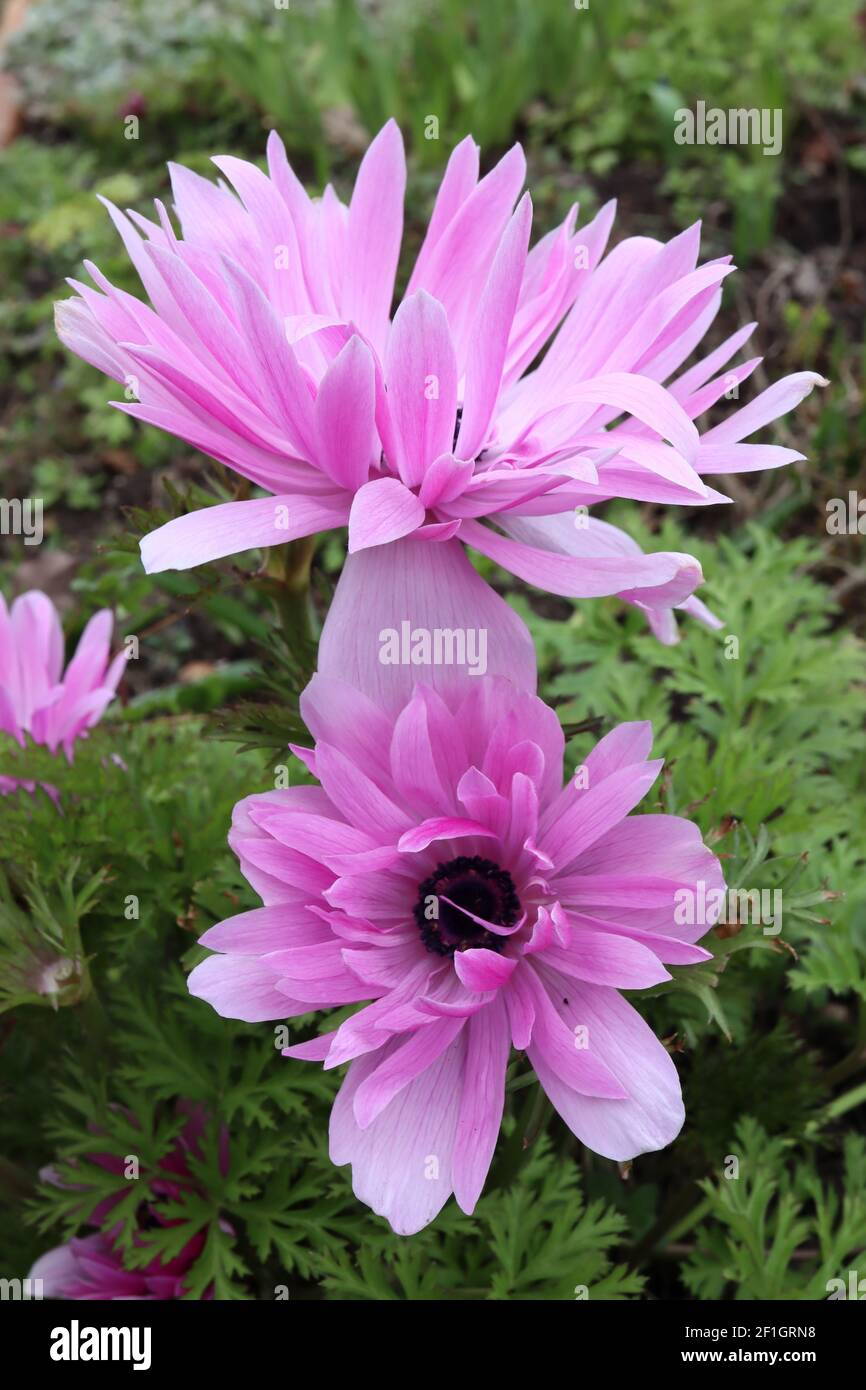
(438, 586)
(241, 987)
(487, 1049)
(230, 527)
(440, 828)
(489, 338)
(282, 377)
(777, 400)
(604, 958)
(652, 1114)
(256, 932)
(581, 1069)
(744, 458)
(468, 242)
(337, 713)
(345, 417)
(568, 832)
(401, 1164)
(374, 234)
(383, 510)
(402, 1065)
(661, 579)
(480, 969)
(421, 372)
(458, 181)
(357, 797)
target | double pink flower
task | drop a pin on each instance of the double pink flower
(441, 871)
(441, 874)
(268, 343)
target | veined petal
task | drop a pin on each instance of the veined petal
(383, 510)
(421, 371)
(230, 527)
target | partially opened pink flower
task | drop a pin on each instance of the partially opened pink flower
(37, 697)
(441, 870)
(93, 1266)
(268, 343)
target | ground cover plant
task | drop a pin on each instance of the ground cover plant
(151, 1128)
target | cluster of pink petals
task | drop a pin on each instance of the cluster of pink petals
(92, 1266)
(466, 794)
(37, 697)
(268, 344)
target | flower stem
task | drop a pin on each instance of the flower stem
(95, 1026)
(530, 1122)
(855, 1059)
(288, 583)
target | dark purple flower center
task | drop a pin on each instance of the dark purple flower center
(456, 889)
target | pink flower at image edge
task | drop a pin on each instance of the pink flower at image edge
(91, 1267)
(37, 697)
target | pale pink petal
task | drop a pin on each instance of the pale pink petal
(487, 1049)
(374, 234)
(230, 527)
(383, 510)
(241, 987)
(421, 371)
(458, 181)
(662, 579)
(652, 1115)
(345, 417)
(436, 584)
(489, 337)
(401, 1164)
(777, 400)
(401, 1066)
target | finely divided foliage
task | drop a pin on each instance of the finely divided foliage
(445, 888)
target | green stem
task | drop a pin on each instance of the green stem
(533, 1115)
(520, 1082)
(696, 1214)
(288, 582)
(95, 1026)
(681, 1213)
(855, 1059)
(842, 1104)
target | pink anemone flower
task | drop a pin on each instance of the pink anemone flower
(442, 875)
(268, 343)
(92, 1266)
(37, 697)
